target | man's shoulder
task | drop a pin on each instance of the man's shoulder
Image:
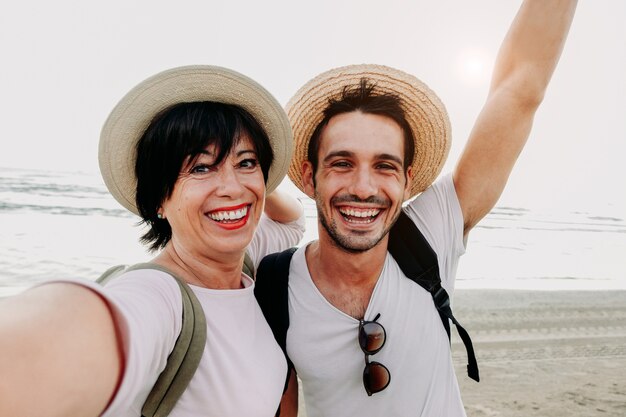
(298, 264)
(443, 188)
(439, 201)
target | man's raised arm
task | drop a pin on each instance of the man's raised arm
(525, 63)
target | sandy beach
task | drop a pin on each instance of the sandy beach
(543, 353)
(552, 353)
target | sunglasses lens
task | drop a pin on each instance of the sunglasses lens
(371, 337)
(375, 377)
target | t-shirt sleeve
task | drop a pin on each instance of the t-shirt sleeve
(437, 214)
(272, 236)
(150, 303)
(147, 311)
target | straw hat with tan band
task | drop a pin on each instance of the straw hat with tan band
(132, 115)
(424, 112)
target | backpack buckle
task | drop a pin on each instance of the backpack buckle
(440, 296)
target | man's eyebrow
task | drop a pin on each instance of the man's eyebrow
(390, 157)
(348, 154)
(338, 154)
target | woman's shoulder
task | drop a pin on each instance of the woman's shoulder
(145, 281)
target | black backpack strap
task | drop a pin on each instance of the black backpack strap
(272, 293)
(185, 356)
(418, 262)
(442, 301)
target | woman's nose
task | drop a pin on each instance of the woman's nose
(228, 182)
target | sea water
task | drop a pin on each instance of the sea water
(55, 225)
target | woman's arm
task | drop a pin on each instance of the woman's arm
(282, 226)
(281, 207)
(289, 402)
(59, 352)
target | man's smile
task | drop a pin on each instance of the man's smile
(359, 215)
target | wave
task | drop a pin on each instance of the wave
(71, 193)
(67, 224)
(65, 210)
(83, 194)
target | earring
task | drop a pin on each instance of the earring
(159, 216)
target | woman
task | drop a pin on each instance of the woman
(193, 151)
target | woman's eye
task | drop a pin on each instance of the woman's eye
(248, 163)
(201, 169)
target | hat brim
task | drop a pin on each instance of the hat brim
(132, 115)
(424, 112)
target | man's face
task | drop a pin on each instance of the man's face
(360, 182)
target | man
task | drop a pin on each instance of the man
(369, 138)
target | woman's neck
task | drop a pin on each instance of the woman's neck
(202, 270)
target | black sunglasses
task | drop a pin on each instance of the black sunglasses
(372, 337)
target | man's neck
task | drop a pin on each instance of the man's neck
(346, 279)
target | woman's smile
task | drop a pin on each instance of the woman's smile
(231, 217)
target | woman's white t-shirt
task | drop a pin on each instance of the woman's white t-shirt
(242, 371)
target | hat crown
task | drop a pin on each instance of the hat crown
(423, 110)
(135, 111)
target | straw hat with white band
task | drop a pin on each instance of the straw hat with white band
(424, 112)
(132, 115)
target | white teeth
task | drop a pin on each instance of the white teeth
(361, 221)
(359, 216)
(359, 213)
(229, 215)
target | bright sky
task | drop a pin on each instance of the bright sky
(67, 63)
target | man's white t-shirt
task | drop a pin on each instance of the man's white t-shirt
(322, 341)
(242, 371)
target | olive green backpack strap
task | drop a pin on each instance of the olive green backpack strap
(248, 266)
(110, 273)
(186, 354)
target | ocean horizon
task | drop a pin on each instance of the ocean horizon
(66, 225)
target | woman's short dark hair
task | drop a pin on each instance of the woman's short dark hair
(364, 98)
(180, 132)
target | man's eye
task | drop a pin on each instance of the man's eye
(341, 164)
(387, 167)
(249, 163)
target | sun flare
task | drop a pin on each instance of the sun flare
(474, 66)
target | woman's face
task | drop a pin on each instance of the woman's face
(214, 210)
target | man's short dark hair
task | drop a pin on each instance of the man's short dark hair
(180, 132)
(364, 98)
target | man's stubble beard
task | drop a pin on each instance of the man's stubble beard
(345, 243)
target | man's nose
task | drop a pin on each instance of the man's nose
(363, 185)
